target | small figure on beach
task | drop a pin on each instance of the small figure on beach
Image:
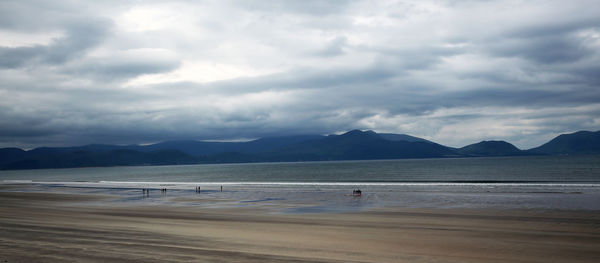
(198, 189)
(221, 188)
(357, 192)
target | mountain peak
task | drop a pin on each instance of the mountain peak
(360, 134)
(357, 131)
(581, 142)
(401, 137)
(490, 148)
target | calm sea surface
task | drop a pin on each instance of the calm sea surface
(505, 169)
(549, 182)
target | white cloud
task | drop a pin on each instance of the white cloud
(26, 39)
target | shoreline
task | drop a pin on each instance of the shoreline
(310, 197)
(83, 227)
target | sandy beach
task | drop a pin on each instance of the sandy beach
(64, 227)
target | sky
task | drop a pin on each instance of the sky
(139, 72)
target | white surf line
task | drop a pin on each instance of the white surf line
(129, 184)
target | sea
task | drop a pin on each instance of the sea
(528, 182)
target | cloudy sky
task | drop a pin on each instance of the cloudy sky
(455, 72)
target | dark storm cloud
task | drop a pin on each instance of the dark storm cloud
(550, 42)
(122, 67)
(415, 58)
(16, 57)
(543, 49)
(334, 47)
(522, 96)
(300, 79)
(556, 26)
(588, 73)
(21, 125)
(79, 38)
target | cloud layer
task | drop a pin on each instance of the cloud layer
(455, 72)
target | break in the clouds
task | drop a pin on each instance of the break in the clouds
(455, 72)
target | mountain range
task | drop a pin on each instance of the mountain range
(352, 145)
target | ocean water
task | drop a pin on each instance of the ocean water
(546, 182)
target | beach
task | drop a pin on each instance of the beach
(75, 227)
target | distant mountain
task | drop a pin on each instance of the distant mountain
(357, 144)
(490, 148)
(352, 145)
(86, 148)
(270, 144)
(202, 148)
(9, 155)
(582, 142)
(107, 158)
(169, 152)
(192, 147)
(401, 137)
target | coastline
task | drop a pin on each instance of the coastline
(62, 227)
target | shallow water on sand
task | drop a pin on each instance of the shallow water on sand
(313, 198)
(565, 182)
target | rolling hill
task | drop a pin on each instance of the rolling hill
(352, 145)
(491, 148)
(581, 142)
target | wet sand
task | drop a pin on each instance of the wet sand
(52, 227)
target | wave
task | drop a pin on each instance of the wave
(17, 181)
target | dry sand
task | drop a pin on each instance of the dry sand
(50, 227)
